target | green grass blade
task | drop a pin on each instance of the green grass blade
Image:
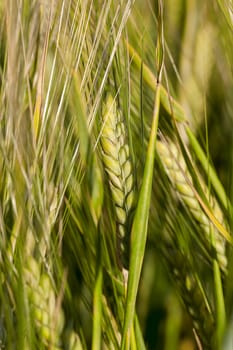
(220, 307)
(97, 310)
(78, 106)
(169, 104)
(138, 335)
(140, 223)
(210, 172)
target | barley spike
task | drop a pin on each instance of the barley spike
(176, 169)
(191, 293)
(117, 164)
(48, 318)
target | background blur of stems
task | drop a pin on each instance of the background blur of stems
(64, 205)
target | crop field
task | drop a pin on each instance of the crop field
(116, 174)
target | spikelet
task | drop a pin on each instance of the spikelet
(191, 293)
(176, 169)
(117, 163)
(47, 317)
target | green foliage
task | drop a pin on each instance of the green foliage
(116, 163)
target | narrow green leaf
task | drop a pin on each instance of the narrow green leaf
(220, 306)
(169, 104)
(210, 172)
(138, 335)
(97, 309)
(140, 223)
(79, 104)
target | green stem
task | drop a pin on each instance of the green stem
(140, 223)
(220, 306)
(97, 310)
(138, 335)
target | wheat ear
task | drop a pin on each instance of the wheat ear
(47, 316)
(191, 292)
(176, 169)
(45, 312)
(117, 163)
(45, 309)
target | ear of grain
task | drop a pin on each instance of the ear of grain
(47, 316)
(190, 290)
(176, 169)
(45, 309)
(117, 163)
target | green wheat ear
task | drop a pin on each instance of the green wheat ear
(49, 319)
(191, 292)
(117, 163)
(176, 169)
